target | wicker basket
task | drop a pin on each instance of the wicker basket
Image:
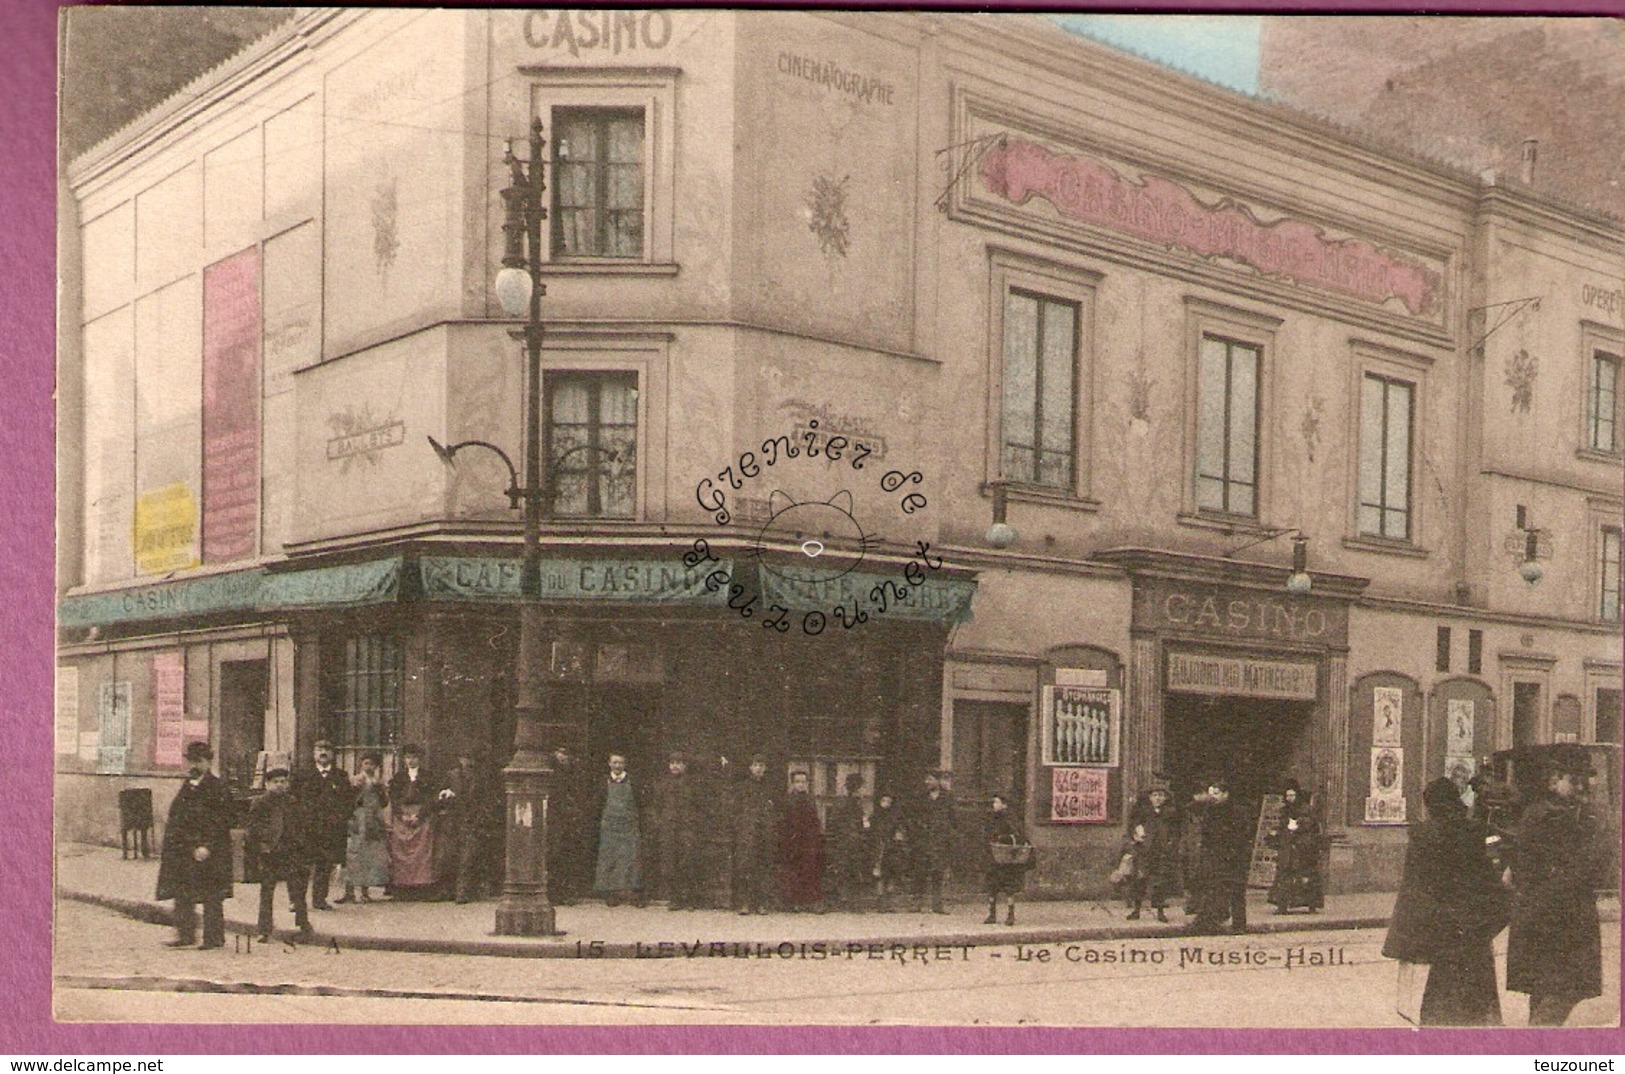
(1011, 854)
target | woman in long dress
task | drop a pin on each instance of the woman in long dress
(411, 838)
(1451, 906)
(366, 848)
(1297, 855)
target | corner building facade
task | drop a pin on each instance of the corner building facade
(959, 258)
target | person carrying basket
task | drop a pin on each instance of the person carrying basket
(1009, 856)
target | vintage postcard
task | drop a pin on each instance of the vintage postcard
(775, 517)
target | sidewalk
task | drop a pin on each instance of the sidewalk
(96, 875)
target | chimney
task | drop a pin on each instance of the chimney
(1530, 149)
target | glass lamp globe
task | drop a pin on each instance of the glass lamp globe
(1299, 583)
(1531, 571)
(513, 291)
(1001, 535)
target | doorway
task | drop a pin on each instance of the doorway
(626, 720)
(1255, 743)
(244, 689)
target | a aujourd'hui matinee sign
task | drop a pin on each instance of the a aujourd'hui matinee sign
(1158, 210)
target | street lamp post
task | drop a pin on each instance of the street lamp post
(524, 909)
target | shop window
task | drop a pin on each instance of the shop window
(1385, 457)
(365, 706)
(1040, 386)
(592, 444)
(1608, 715)
(1227, 400)
(598, 183)
(1602, 408)
(1608, 575)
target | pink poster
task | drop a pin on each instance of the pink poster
(231, 415)
(169, 709)
(1077, 795)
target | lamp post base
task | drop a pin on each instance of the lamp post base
(519, 915)
(525, 909)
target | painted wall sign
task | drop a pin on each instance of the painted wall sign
(1228, 613)
(166, 529)
(1162, 211)
(643, 581)
(816, 423)
(231, 412)
(67, 711)
(1602, 298)
(829, 74)
(942, 600)
(361, 435)
(1189, 673)
(1078, 795)
(168, 709)
(359, 583)
(613, 32)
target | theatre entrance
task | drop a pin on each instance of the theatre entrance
(1256, 743)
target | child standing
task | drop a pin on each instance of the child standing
(1005, 877)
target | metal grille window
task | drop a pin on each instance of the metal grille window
(1040, 364)
(598, 182)
(366, 708)
(1227, 427)
(1385, 457)
(592, 444)
(1604, 408)
(1608, 604)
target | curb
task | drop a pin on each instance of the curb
(876, 947)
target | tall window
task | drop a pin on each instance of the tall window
(1040, 384)
(597, 182)
(592, 444)
(365, 706)
(1227, 427)
(1602, 414)
(1385, 457)
(1608, 573)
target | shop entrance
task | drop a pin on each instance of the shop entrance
(1256, 743)
(244, 688)
(626, 720)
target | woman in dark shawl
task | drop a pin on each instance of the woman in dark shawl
(1451, 905)
(1297, 855)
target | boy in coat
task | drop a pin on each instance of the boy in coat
(755, 819)
(276, 843)
(195, 866)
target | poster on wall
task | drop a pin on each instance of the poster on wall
(1387, 713)
(1078, 795)
(1458, 728)
(1386, 803)
(231, 411)
(168, 709)
(113, 741)
(67, 711)
(1081, 725)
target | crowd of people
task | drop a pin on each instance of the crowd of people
(707, 839)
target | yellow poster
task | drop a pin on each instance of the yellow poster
(166, 529)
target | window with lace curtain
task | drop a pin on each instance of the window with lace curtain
(592, 444)
(597, 183)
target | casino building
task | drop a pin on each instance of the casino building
(1140, 426)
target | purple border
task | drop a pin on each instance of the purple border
(27, 302)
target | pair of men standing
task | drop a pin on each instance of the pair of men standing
(297, 831)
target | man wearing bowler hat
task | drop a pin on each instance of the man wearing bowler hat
(324, 801)
(196, 863)
(931, 840)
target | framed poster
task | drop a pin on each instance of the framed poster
(1386, 803)
(1387, 715)
(1081, 725)
(1078, 795)
(1458, 728)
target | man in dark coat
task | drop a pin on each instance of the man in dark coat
(1219, 889)
(324, 801)
(275, 841)
(886, 849)
(674, 823)
(1153, 836)
(801, 848)
(1554, 952)
(931, 842)
(460, 805)
(756, 815)
(848, 829)
(567, 837)
(196, 862)
(1450, 907)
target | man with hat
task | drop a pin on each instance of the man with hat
(460, 804)
(275, 841)
(931, 841)
(196, 862)
(323, 801)
(1219, 888)
(568, 850)
(674, 823)
(755, 829)
(1153, 838)
(1554, 949)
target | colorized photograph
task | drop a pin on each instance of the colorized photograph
(834, 518)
